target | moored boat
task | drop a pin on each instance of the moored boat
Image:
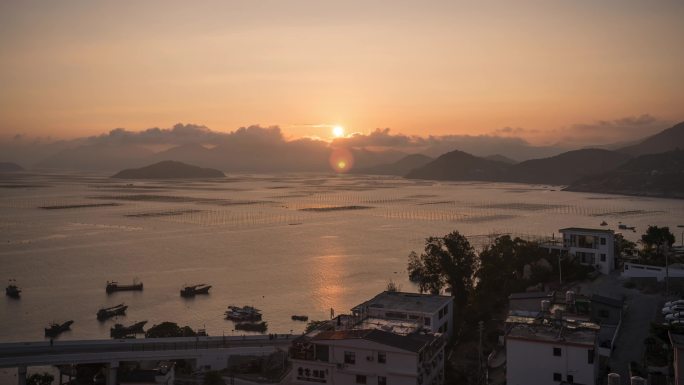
(56, 329)
(12, 290)
(300, 318)
(121, 331)
(243, 314)
(110, 312)
(193, 290)
(115, 286)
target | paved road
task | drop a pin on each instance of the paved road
(641, 310)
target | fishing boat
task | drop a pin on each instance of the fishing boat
(243, 314)
(110, 312)
(121, 331)
(193, 290)
(115, 286)
(56, 329)
(12, 290)
(300, 318)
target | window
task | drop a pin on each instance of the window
(571, 379)
(350, 358)
(360, 379)
(603, 240)
(603, 257)
(382, 380)
(427, 321)
(557, 377)
(382, 358)
(590, 357)
(557, 352)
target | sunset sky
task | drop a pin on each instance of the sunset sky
(527, 68)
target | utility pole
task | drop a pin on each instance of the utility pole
(480, 377)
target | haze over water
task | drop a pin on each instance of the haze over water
(255, 239)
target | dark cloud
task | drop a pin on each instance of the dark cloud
(605, 132)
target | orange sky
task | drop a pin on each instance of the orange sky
(78, 68)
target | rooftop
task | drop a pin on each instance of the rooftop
(412, 302)
(585, 230)
(412, 342)
(531, 295)
(551, 330)
(614, 302)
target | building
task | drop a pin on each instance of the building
(367, 357)
(606, 310)
(595, 247)
(550, 351)
(528, 303)
(432, 312)
(677, 341)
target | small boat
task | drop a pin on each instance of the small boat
(193, 290)
(243, 314)
(56, 329)
(625, 227)
(300, 317)
(12, 290)
(260, 327)
(110, 312)
(121, 331)
(604, 223)
(115, 286)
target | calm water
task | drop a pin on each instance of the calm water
(254, 239)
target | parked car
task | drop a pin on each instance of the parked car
(673, 309)
(674, 316)
(672, 303)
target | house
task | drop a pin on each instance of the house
(432, 312)
(551, 350)
(594, 247)
(367, 357)
(162, 373)
(677, 341)
(606, 310)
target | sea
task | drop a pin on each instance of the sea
(295, 244)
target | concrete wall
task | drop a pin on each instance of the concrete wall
(532, 362)
(635, 270)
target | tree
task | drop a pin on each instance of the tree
(40, 379)
(169, 329)
(657, 238)
(447, 262)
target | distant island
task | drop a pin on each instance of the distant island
(169, 169)
(10, 167)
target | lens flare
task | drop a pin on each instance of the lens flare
(341, 160)
(338, 131)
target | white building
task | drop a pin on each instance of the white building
(551, 351)
(367, 357)
(432, 312)
(595, 247)
(635, 270)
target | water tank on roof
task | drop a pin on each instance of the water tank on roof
(569, 297)
(636, 380)
(545, 305)
(614, 379)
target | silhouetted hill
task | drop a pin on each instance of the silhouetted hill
(501, 158)
(193, 153)
(10, 167)
(660, 175)
(401, 167)
(459, 165)
(667, 140)
(169, 169)
(566, 167)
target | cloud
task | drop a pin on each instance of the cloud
(619, 130)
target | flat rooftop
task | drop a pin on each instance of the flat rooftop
(551, 330)
(409, 302)
(585, 230)
(412, 343)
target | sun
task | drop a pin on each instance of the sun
(338, 131)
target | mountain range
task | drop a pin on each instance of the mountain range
(169, 169)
